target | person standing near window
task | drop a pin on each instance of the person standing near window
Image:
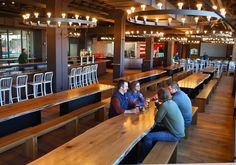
(23, 58)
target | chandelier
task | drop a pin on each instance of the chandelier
(59, 22)
(178, 17)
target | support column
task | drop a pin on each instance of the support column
(148, 61)
(119, 43)
(170, 53)
(57, 48)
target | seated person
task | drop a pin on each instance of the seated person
(171, 119)
(176, 56)
(183, 102)
(205, 56)
(134, 94)
(120, 102)
(23, 58)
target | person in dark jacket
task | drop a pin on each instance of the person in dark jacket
(120, 102)
(23, 58)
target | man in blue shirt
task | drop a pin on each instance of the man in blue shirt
(183, 102)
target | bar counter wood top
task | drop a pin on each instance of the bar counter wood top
(25, 107)
(192, 81)
(107, 143)
(208, 69)
(2, 66)
(142, 75)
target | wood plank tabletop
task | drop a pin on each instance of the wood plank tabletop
(208, 69)
(142, 75)
(193, 80)
(173, 67)
(25, 107)
(17, 64)
(106, 143)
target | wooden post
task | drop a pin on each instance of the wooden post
(170, 52)
(119, 43)
(148, 61)
(31, 148)
(57, 48)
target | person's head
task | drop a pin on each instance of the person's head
(173, 87)
(24, 50)
(122, 86)
(163, 94)
(135, 86)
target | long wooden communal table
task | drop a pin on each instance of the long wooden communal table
(173, 69)
(209, 70)
(35, 65)
(20, 115)
(143, 76)
(107, 143)
(193, 83)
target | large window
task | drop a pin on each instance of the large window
(3, 43)
(12, 41)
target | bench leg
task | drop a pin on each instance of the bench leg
(194, 118)
(201, 104)
(72, 127)
(173, 158)
(31, 148)
(186, 131)
(100, 115)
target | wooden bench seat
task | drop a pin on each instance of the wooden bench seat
(203, 97)
(162, 153)
(162, 81)
(28, 137)
(181, 75)
(194, 120)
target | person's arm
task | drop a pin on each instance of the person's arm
(116, 105)
(161, 114)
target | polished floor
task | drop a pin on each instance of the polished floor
(210, 141)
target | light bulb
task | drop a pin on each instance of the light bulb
(48, 22)
(94, 20)
(143, 7)
(76, 16)
(213, 31)
(183, 20)
(214, 7)
(137, 32)
(144, 32)
(180, 5)
(157, 19)
(196, 19)
(87, 18)
(169, 20)
(128, 11)
(205, 31)
(27, 15)
(63, 15)
(223, 12)
(132, 9)
(70, 23)
(159, 5)
(136, 18)
(208, 18)
(36, 15)
(59, 24)
(49, 14)
(199, 6)
(145, 18)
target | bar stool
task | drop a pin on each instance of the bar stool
(37, 83)
(21, 83)
(5, 86)
(96, 73)
(89, 74)
(72, 80)
(47, 80)
(84, 76)
(78, 77)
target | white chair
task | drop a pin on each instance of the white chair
(224, 65)
(96, 73)
(89, 74)
(37, 83)
(78, 77)
(217, 66)
(47, 80)
(72, 80)
(84, 76)
(202, 64)
(5, 86)
(21, 83)
(231, 68)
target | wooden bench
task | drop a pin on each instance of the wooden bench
(29, 137)
(154, 83)
(217, 76)
(203, 97)
(194, 120)
(162, 153)
(181, 75)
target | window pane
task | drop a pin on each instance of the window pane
(27, 39)
(14, 43)
(3, 43)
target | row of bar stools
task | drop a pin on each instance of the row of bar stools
(83, 76)
(40, 80)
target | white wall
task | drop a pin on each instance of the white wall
(213, 50)
(103, 47)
